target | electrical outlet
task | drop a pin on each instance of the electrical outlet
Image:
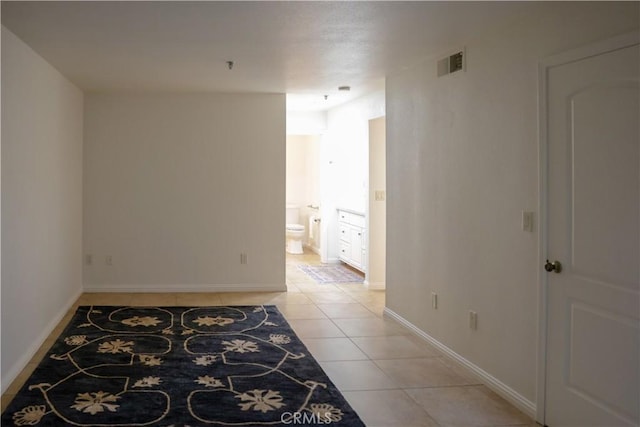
(108, 260)
(434, 300)
(473, 320)
(88, 259)
(243, 258)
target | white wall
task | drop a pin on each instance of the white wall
(178, 186)
(41, 201)
(377, 221)
(344, 161)
(297, 148)
(306, 122)
(461, 166)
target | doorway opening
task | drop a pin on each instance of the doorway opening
(336, 187)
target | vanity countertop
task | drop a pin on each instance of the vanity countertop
(351, 211)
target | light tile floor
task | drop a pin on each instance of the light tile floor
(390, 377)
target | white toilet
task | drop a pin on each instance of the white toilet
(294, 230)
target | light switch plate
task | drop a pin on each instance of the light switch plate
(380, 195)
(527, 221)
(473, 320)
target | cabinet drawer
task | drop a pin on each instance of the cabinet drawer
(344, 232)
(344, 217)
(357, 220)
(345, 250)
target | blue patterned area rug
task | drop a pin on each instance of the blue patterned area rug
(179, 366)
(334, 273)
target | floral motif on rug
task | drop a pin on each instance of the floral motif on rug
(179, 366)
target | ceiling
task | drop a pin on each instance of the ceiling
(306, 49)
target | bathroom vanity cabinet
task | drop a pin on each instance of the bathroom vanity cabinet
(351, 230)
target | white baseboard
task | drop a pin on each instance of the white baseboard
(509, 394)
(128, 288)
(21, 363)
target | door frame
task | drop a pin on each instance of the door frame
(615, 43)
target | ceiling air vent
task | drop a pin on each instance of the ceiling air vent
(451, 64)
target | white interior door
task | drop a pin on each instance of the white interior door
(593, 333)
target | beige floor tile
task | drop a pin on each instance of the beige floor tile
(315, 288)
(299, 284)
(334, 349)
(369, 297)
(345, 311)
(471, 406)
(370, 327)
(294, 268)
(248, 298)
(306, 258)
(153, 299)
(423, 372)
(301, 311)
(357, 375)
(296, 279)
(367, 302)
(197, 299)
(461, 370)
(421, 342)
(315, 328)
(330, 297)
(376, 306)
(392, 347)
(289, 298)
(387, 408)
(352, 287)
(377, 309)
(293, 288)
(6, 400)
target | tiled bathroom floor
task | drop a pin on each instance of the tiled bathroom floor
(390, 377)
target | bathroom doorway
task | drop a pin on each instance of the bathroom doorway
(303, 187)
(329, 167)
